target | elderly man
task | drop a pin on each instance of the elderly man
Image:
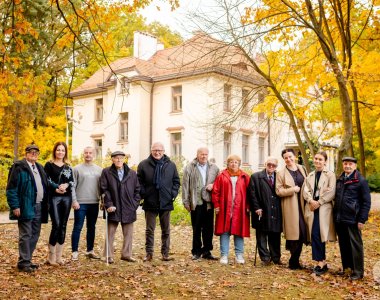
(198, 178)
(266, 212)
(28, 200)
(85, 202)
(160, 183)
(352, 205)
(121, 189)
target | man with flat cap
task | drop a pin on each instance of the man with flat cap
(28, 202)
(121, 191)
(351, 208)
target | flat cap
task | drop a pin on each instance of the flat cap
(349, 158)
(32, 147)
(116, 153)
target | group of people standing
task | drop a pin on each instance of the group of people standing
(307, 208)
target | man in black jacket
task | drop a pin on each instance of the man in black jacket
(28, 201)
(352, 205)
(266, 212)
(159, 181)
(121, 190)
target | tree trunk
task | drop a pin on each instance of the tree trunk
(16, 132)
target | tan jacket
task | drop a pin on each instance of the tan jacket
(289, 202)
(326, 186)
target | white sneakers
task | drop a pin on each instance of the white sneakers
(74, 255)
(224, 260)
(240, 259)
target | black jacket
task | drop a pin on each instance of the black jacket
(262, 196)
(352, 199)
(124, 195)
(163, 198)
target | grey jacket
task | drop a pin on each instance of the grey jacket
(190, 181)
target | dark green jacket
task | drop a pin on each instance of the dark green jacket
(22, 191)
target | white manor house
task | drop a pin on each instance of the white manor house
(200, 93)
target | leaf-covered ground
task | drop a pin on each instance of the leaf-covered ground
(182, 278)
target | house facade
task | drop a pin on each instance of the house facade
(200, 93)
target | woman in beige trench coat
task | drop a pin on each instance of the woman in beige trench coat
(318, 193)
(289, 182)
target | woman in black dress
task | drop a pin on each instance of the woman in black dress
(60, 176)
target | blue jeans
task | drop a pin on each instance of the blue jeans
(90, 212)
(225, 244)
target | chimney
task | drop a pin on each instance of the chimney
(145, 45)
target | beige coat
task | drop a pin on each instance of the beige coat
(326, 186)
(289, 202)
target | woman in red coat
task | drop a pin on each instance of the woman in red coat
(231, 208)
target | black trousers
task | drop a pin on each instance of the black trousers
(318, 248)
(202, 221)
(351, 247)
(60, 207)
(265, 239)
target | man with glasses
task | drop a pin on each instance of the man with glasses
(266, 212)
(28, 202)
(159, 181)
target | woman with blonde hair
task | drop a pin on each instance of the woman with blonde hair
(229, 196)
(318, 193)
(61, 180)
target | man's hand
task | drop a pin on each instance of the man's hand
(187, 208)
(111, 209)
(17, 212)
(209, 187)
(76, 205)
(259, 212)
(360, 226)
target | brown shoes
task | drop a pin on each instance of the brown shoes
(167, 258)
(148, 257)
(129, 259)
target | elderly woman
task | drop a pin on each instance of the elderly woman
(289, 183)
(60, 176)
(229, 197)
(318, 193)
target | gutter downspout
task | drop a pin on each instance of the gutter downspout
(151, 117)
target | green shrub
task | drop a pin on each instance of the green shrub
(179, 216)
(374, 182)
(5, 164)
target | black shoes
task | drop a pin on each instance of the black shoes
(296, 267)
(26, 269)
(209, 256)
(195, 257)
(167, 258)
(356, 277)
(148, 257)
(320, 271)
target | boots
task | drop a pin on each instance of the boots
(58, 254)
(51, 260)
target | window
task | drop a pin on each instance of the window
(261, 150)
(227, 144)
(177, 98)
(98, 148)
(124, 87)
(123, 132)
(99, 109)
(227, 97)
(261, 115)
(245, 149)
(176, 143)
(246, 107)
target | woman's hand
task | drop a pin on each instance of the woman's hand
(296, 189)
(314, 205)
(217, 210)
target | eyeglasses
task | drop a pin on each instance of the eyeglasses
(34, 152)
(118, 158)
(155, 150)
(271, 165)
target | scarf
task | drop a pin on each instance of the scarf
(158, 172)
(231, 173)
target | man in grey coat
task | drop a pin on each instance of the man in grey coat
(198, 178)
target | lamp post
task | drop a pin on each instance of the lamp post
(69, 111)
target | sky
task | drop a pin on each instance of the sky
(176, 20)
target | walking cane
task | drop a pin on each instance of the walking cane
(107, 254)
(256, 249)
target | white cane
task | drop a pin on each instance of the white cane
(107, 254)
